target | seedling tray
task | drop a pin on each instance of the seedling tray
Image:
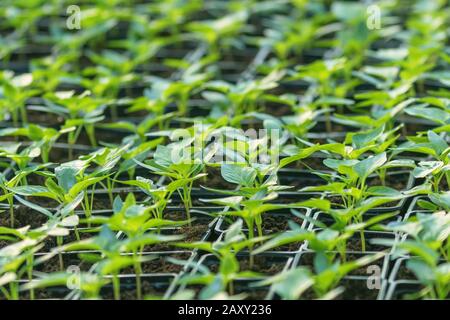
(399, 289)
(354, 243)
(306, 258)
(270, 261)
(222, 66)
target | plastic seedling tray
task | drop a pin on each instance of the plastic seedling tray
(158, 284)
(160, 265)
(266, 263)
(351, 283)
(306, 258)
(398, 289)
(295, 196)
(299, 178)
(101, 195)
(273, 263)
(357, 288)
(391, 206)
(289, 249)
(201, 231)
(236, 58)
(414, 207)
(354, 243)
(328, 220)
(412, 214)
(155, 284)
(400, 272)
(272, 217)
(53, 293)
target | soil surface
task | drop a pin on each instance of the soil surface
(160, 264)
(193, 233)
(397, 181)
(338, 203)
(261, 264)
(129, 292)
(273, 223)
(23, 216)
(403, 273)
(354, 290)
(307, 259)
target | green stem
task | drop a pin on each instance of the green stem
(23, 114)
(250, 246)
(138, 270)
(30, 274)
(363, 241)
(14, 289)
(186, 201)
(116, 286)
(328, 121)
(259, 226)
(59, 243)
(110, 195)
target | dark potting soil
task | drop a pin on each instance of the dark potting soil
(239, 288)
(398, 181)
(411, 128)
(320, 127)
(51, 242)
(354, 290)
(364, 271)
(403, 273)
(102, 201)
(108, 136)
(261, 264)
(291, 247)
(273, 223)
(43, 202)
(23, 216)
(355, 244)
(444, 185)
(42, 294)
(338, 203)
(160, 264)
(299, 182)
(214, 180)
(277, 110)
(307, 260)
(47, 119)
(315, 163)
(35, 179)
(192, 233)
(252, 294)
(357, 290)
(5, 243)
(62, 155)
(147, 286)
(278, 223)
(53, 264)
(182, 216)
